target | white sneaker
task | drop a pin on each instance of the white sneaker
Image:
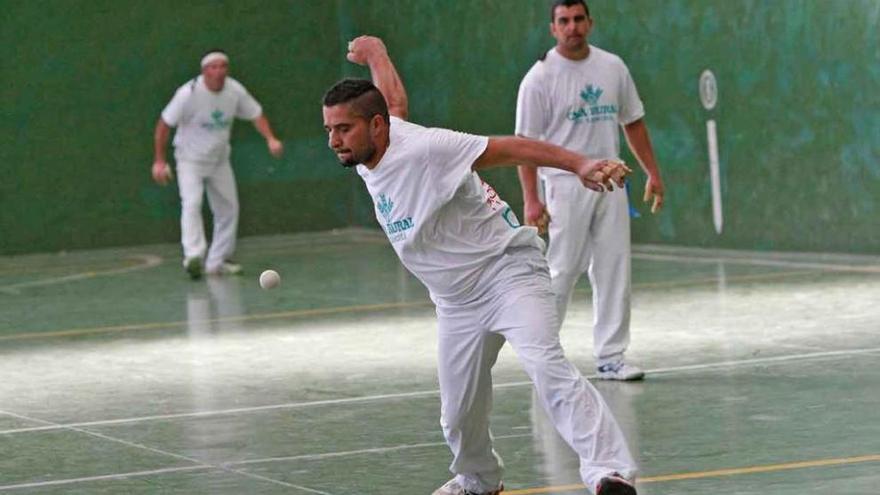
(620, 371)
(226, 268)
(453, 488)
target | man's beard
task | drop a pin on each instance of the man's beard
(356, 160)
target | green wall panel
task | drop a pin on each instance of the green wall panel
(84, 81)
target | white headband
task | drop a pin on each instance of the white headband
(214, 57)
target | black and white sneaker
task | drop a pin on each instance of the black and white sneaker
(452, 487)
(615, 485)
(620, 371)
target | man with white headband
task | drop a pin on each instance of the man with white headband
(203, 111)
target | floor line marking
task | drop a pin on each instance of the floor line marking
(713, 280)
(766, 468)
(375, 450)
(338, 310)
(733, 363)
(767, 360)
(182, 323)
(428, 393)
(146, 261)
(166, 453)
(85, 479)
(836, 267)
(738, 254)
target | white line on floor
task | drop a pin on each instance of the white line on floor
(430, 393)
(146, 261)
(161, 452)
(835, 267)
(376, 450)
(86, 479)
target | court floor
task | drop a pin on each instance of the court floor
(120, 375)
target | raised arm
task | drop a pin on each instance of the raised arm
(510, 150)
(371, 51)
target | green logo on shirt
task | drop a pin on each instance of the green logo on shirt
(395, 229)
(592, 111)
(217, 122)
(385, 206)
(591, 95)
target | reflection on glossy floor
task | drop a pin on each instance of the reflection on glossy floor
(122, 376)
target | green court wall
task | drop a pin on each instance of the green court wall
(798, 112)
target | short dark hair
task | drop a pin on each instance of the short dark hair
(566, 3)
(365, 98)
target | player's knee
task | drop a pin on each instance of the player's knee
(227, 208)
(556, 383)
(545, 362)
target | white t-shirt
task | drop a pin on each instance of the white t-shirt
(443, 221)
(578, 104)
(204, 118)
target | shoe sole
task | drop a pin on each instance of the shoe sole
(633, 378)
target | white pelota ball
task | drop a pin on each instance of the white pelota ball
(269, 279)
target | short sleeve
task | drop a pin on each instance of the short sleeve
(451, 158)
(173, 112)
(531, 108)
(247, 107)
(631, 108)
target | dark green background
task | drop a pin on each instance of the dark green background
(83, 83)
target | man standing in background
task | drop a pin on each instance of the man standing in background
(576, 97)
(203, 110)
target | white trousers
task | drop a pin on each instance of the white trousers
(194, 180)
(589, 232)
(516, 305)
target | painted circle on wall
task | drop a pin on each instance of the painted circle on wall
(708, 90)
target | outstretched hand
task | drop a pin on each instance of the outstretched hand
(600, 175)
(363, 48)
